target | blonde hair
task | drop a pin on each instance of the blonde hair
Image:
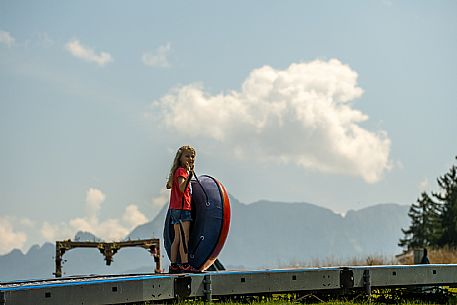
(176, 164)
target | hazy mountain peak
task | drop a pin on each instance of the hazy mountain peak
(86, 236)
(262, 234)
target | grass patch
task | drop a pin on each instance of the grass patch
(446, 255)
(335, 302)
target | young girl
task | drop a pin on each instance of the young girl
(178, 181)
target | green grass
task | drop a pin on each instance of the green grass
(378, 297)
(317, 302)
(442, 295)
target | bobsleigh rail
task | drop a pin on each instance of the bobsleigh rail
(226, 285)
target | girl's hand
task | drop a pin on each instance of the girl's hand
(189, 167)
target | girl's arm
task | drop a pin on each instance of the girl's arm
(182, 182)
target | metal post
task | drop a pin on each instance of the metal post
(207, 289)
(58, 272)
(367, 282)
(2, 298)
(156, 254)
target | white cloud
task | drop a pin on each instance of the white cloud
(160, 200)
(301, 115)
(133, 217)
(9, 237)
(94, 200)
(44, 40)
(27, 222)
(110, 229)
(13, 236)
(52, 232)
(6, 39)
(424, 185)
(86, 53)
(159, 58)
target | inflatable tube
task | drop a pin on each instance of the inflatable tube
(210, 225)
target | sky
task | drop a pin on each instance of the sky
(343, 104)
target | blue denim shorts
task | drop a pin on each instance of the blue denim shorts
(178, 216)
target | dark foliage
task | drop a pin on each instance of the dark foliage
(434, 217)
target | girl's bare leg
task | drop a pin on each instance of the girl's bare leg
(176, 243)
(184, 256)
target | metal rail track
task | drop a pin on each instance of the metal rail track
(135, 288)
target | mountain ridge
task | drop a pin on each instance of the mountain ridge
(263, 234)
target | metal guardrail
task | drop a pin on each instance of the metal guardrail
(121, 289)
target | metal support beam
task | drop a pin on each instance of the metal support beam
(108, 249)
(207, 289)
(367, 282)
(182, 287)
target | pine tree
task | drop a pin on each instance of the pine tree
(448, 200)
(423, 229)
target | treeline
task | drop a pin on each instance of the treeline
(434, 216)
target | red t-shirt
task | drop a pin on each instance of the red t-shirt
(176, 195)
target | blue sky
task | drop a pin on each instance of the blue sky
(341, 104)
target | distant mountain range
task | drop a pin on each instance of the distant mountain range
(263, 234)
